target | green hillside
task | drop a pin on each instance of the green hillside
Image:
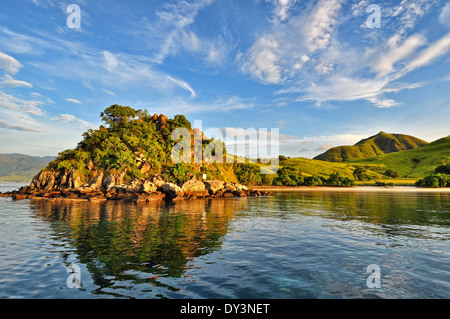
(416, 162)
(380, 144)
(21, 168)
(325, 169)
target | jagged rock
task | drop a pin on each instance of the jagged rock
(214, 186)
(19, 196)
(145, 167)
(50, 182)
(193, 185)
(109, 182)
(160, 121)
(172, 191)
(194, 188)
(152, 197)
(230, 187)
(52, 194)
(227, 194)
(90, 165)
(148, 187)
(96, 182)
(239, 193)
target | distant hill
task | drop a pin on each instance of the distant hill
(417, 162)
(20, 167)
(380, 144)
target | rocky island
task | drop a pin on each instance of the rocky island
(129, 159)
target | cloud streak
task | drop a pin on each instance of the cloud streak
(9, 81)
(9, 64)
(10, 126)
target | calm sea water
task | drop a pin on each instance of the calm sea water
(296, 245)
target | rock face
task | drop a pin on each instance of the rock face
(55, 185)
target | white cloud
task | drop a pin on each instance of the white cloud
(21, 128)
(183, 85)
(282, 8)
(261, 61)
(111, 62)
(9, 81)
(323, 148)
(14, 103)
(320, 24)
(73, 101)
(170, 32)
(109, 92)
(9, 64)
(434, 51)
(385, 63)
(352, 89)
(71, 118)
(360, 8)
(219, 104)
(281, 54)
(444, 17)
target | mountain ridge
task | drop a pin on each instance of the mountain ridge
(379, 144)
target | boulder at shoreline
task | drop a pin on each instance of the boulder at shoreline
(67, 186)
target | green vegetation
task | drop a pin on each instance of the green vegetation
(361, 174)
(391, 173)
(248, 174)
(382, 143)
(440, 178)
(325, 169)
(136, 144)
(416, 163)
(288, 176)
(443, 169)
(434, 181)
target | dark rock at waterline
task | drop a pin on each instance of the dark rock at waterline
(69, 186)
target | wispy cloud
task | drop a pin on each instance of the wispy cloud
(71, 118)
(10, 126)
(183, 85)
(9, 64)
(320, 67)
(11, 102)
(213, 105)
(444, 17)
(75, 101)
(171, 31)
(9, 81)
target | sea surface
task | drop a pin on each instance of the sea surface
(288, 246)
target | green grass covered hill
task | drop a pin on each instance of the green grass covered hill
(415, 163)
(380, 144)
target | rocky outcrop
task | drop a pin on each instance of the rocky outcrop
(160, 121)
(55, 185)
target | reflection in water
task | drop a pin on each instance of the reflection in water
(292, 245)
(121, 241)
(379, 212)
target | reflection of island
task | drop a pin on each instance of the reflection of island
(127, 242)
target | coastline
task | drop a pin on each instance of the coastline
(410, 189)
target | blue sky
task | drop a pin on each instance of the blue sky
(313, 69)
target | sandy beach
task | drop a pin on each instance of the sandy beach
(352, 189)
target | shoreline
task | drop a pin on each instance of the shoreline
(409, 189)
